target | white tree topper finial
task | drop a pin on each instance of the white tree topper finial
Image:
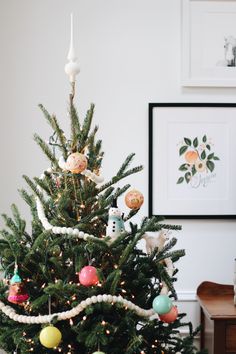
(72, 68)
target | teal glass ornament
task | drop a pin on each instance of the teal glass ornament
(162, 304)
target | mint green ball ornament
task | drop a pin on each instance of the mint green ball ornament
(162, 304)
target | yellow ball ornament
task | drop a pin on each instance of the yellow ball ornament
(76, 162)
(134, 199)
(50, 337)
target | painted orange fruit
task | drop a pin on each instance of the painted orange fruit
(191, 157)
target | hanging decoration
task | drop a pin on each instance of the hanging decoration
(134, 199)
(88, 276)
(75, 311)
(162, 304)
(87, 173)
(76, 162)
(17, 293)
(170, 316)
(50, 337)
(115, 224)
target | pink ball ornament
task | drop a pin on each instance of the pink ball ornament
(88, 276)
(134, 199)
(170, 316)
(76, 162)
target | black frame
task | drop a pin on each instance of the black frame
(150, 156)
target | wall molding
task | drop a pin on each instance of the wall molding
(187, 296)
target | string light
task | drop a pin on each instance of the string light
(107, 331)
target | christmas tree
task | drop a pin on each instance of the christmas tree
(78, 282)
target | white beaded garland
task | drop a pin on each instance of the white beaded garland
(8, 311)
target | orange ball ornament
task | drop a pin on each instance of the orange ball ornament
(76, 162)
(134, 199)
(170, 316)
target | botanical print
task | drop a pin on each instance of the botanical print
(199, 161)
(229, 52)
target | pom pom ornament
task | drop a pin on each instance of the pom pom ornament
(17, 293)
(134, 199)
(170, 316)
(76, 162)
(50, 337)
(115, 224)
(162, 304)
(88, 276)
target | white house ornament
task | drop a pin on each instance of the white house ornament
(115, 225)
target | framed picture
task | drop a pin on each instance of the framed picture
(192, 160)
(209, 43)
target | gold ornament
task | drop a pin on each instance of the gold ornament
(76, 162)
(50, 337)
(134, 199)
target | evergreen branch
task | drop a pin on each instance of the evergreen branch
(46, 115)
(20, 223)
(134, 344)
(61, 136)
(163, 253)
(125, 164)
(171, 227)
(119, 239)
(131, 214)
(116, 179)
(75, 127)
(86, 128)
(129, 248)
(10, 224)
(34, 188)
(115, 281)
(39, 302)
(168, 280)
(52, 120)
(29, 199)
(41, 183)
(43, 145)
(121, 191)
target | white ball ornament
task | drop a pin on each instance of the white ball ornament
(72, 69)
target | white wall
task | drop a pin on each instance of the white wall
(129, 53)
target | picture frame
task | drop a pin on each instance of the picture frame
(192, 167)
(208, 43)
